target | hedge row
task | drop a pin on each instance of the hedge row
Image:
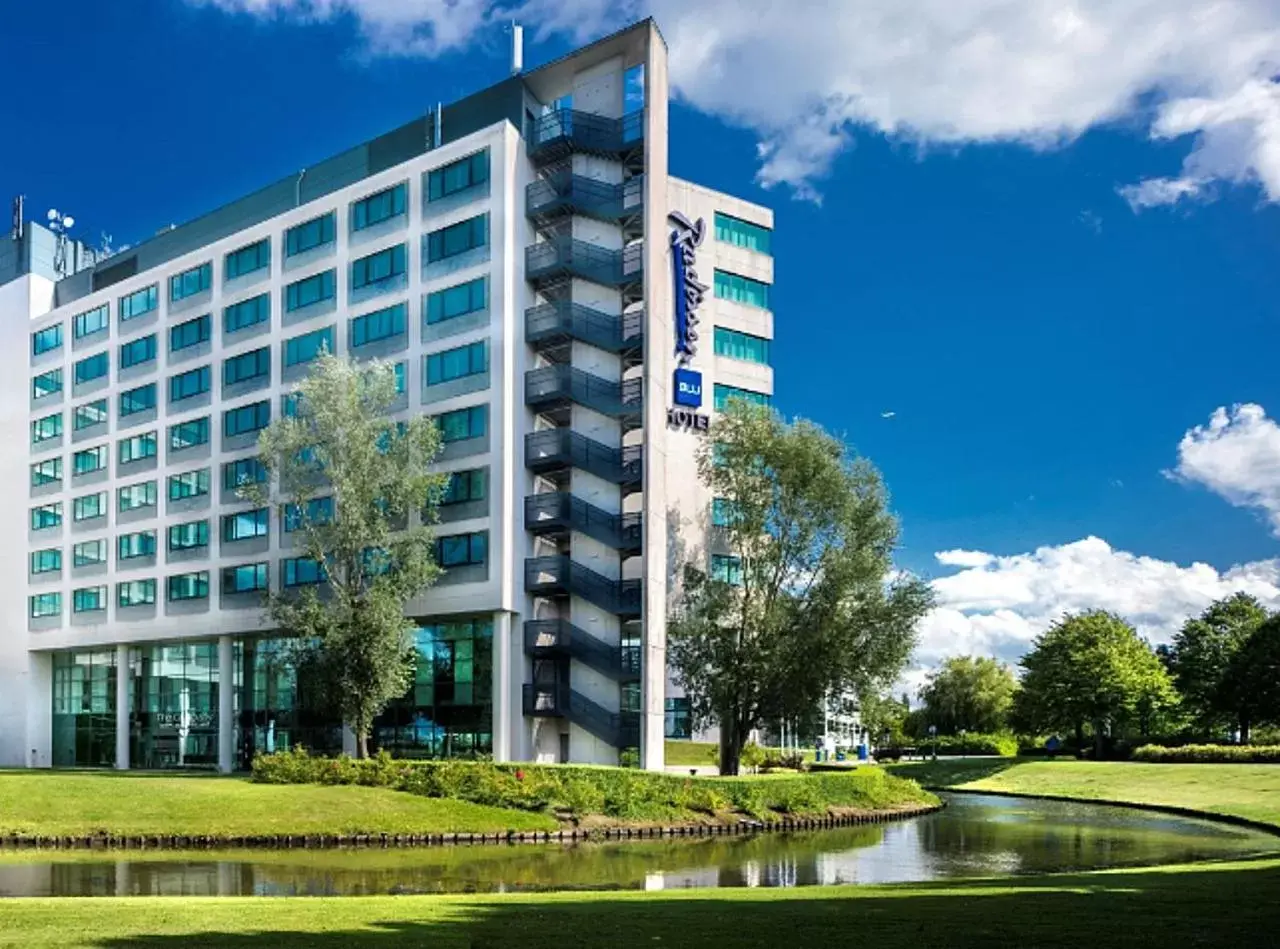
(1006, 746)
(625, 794)
(1208, 754)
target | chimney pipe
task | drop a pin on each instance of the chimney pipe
(517, 49)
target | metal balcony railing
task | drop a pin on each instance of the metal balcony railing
(563, 257)
(620, 729)
(566, 193)
(563, 132)
(550, 385)
(560, 576)
(561, 321)
(560, 511)
(559, 637)
(557, 448)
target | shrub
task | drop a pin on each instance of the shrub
(1208, 754)
(752, 756)
(1006, 746)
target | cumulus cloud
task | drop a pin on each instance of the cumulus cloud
(1236, 455)
(805, 75)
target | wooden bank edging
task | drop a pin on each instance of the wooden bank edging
(329, 841)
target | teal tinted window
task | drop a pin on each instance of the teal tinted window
(722, 395)
(188, 434)
(46, 561)
(461, 549)
(251, 365)
(91, 413)
(740, 233)
(401, 372)
(89, 506)
(246, 313)
(381, 324)
(88, 599)
(136, 448)
(89, 553)
(47, 383)
(91, 321)
(187, 385)
(455, 363)
(742, 346)
(300, 571)
(46, 340)
(189, 536)
(244, 579)
(723, 512)
(138, 400)
(189, 484)
(138, 544)
(310, 234)
(43, 429)
(303, 349)
(463, 423)
(134, 496)
(246, 419)
(89, 460)
(374, 269)
(44, 472)
(247, 260)
(246, 524)
(458, 238)
(46, 604)
(310, 291)
(237, 474)
(91, 368)
(46, 515)
(466, 486)
(139, 303)
(189, 586)
(190, 282)
(137, 351)
(318, 511)
(457, 301)
(726, 569)
(136, 593)
(378, 207)
(191, 333)
(458, 176)
(730, 286)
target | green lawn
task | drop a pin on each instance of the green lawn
(1250, 791)
(70, 802)
(691, 753)
(1207, 905)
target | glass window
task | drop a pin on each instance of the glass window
(455, 363)
(47, 560)
(91, 367)
(722, 394)
(319, 511)
(726, 569)
(251, 365)
(139, 303)
(401, 370)
(290, 404)
(136, 447)
(248, 418)
(46, 472)
(138, 544)
(730, 286)
(378, 207)
(380, 324)
(677, 718)
(311, 290)
(459, 300)
(244, 579)
(246, 313)
(88, 599)
(740, 233)
(460, 549)
(303, 349)
(136, 593)
(89, 460)
(310, 234)
(91, 321)
(188, 434)
(247, 260)
(45, 516)
(458, 176)
(189, 484)
(246, 524)
(138, 400)
(91, 413)
(464, 486)
(237, 474)
(187, 385)
(88, 506)
(189, 536)
(47, 383)
(46, 604)
(300, 572)
(137, 351)
(46, 340)
(723, 512)
(742, 346)
(190, 282)
(89, 553)
(43, 429)
(191, 333)
(189, 586)
(134, 496)
(384, 265)
(463, 423)
(458, 238)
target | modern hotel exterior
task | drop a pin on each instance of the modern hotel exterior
(512, 255)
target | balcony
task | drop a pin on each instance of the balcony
(619, 729)
(560, 512)
(556, 135)
(557, 638)
(562, 258)
(560, 576)
(554, 387)
(552, 327)
(565, 193)
(558, 449)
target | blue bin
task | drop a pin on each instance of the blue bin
(862, 752)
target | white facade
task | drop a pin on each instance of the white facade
(555, 387)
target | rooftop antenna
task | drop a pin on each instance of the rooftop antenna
(60, 224)
(517, 48)
(18, 205)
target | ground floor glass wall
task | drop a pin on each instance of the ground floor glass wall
(84, 709)
(174, 718)
(274, 710)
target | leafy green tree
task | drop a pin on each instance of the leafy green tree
(350, 630)
(809, 606)
(1092, 669)
(1254, 676)
(881, 713)
(969, 694)
(1201, 659)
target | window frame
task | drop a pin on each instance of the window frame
(190, 282)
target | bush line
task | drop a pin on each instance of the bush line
(1208, 754)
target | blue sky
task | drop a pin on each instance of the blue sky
(1043, 344)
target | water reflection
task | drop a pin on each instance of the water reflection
(974, 836)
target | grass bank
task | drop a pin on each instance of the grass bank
(1245, 791)
(690, 754)
(1205, 905)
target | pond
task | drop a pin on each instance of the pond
(975, 835)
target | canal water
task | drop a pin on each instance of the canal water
(975, 835)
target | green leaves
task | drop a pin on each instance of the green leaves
(1203, 654)
(973, 694)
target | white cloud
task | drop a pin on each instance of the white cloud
(1236, 455)
(804, 74)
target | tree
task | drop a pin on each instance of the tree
(1092, 669)
(1201, 657)
(370, 560)
(882, 713)
(1254, 676)
(807, 606)
(969, 694)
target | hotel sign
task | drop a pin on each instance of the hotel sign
(686, 384)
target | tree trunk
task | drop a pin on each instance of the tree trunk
(362, 740)
(1097, 741)
(730, 746)
(1079, 739)
(1245, 725)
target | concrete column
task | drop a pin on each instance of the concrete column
(505, 742)
(226, 707)
(123, 681)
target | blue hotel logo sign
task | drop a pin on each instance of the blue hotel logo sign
(686, 237)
